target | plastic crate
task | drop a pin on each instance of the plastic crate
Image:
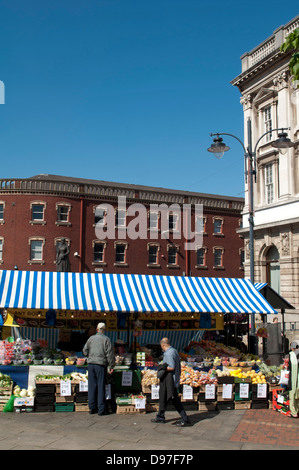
(64, 407)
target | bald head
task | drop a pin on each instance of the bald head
(164, 343)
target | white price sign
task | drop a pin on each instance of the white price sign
(65, 388)
(210, 392)
(140, 403)
(187, 392)
(127, 377)
(244, 390)
(155, 392)
(227, 391)
(262, 390)
(83, 386)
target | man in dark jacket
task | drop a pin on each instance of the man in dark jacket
(100, 355)
(169, 374)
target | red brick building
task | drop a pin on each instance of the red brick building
(36, 213)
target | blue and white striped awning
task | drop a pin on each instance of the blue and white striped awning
(260, 285)
(128, 293)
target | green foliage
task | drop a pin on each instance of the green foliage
(292, 43)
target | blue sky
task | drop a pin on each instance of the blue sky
(128, 90)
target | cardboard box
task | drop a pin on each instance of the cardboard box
(24, 401)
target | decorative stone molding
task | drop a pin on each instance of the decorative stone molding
(246, 102)
(281, 81)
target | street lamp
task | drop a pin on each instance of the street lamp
(218, 148)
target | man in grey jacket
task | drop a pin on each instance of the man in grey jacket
(100, 355)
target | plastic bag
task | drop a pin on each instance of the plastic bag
(9, 407)
(284, 377)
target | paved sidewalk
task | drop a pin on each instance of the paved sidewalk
(214, 430)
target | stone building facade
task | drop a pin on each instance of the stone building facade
(270, 99)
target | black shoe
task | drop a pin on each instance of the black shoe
(104, 413)
(92, 412)
(183, 424)
(158, 420)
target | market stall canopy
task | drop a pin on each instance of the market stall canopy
(129, 293)
(273, 297)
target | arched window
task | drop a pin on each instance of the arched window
(273, 268)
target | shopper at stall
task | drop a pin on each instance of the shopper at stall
(293, 385)
(169, 373)
(100, 355)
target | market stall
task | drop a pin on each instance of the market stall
(61, 302)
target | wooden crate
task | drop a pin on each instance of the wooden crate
(82, 407)
(207, 406)
(242, 405)
(129, 409)
(152, 407)
(5, 394)
(64, 399)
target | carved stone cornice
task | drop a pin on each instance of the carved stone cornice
(281, 81)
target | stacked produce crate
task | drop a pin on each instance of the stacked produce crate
(281, 402)
(5, 394)
(81, 398)
(45, 396)
(225, 393)
(65, 396)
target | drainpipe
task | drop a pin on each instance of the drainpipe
(81, 233)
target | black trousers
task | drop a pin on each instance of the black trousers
(177, 404)
(96, 387)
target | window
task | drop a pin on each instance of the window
(172, 221)
(2, 211)
(268, 123)
(98, 252)
(37, 212)
(120, 219)
(1, 250)
(200, 224)
(63, 211)
(201, 257)
(153, 254)
(242, 258)
(120, 253)
(100, 217)
(218, 257)
(36, 250)
(269, 183)
(218, 223)
(172, 255)
(153, 220)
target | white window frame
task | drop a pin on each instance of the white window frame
(155, 246)
(120, 221)
(220, 250)
(124, 261)
(176, 249)
(269, 183)
(204, 264)
(34, 221)
(103, 244)
(42, 243)
(58, 207)
(268, 122)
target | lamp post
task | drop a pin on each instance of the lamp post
(218, 148)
